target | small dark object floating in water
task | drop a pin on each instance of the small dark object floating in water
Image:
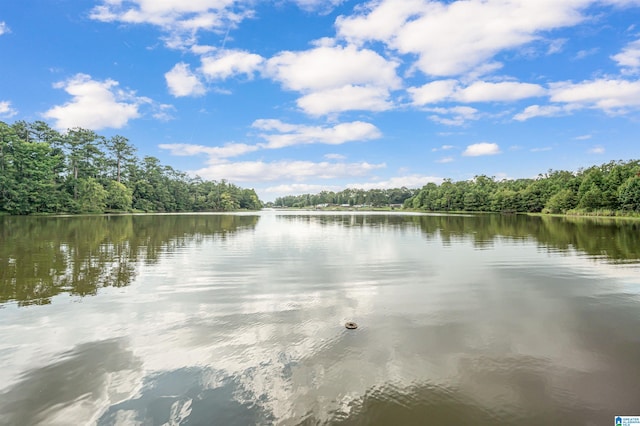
(351, 325)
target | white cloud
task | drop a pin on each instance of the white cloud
(539, 111)
(4, 28)
(443, 148)
(347, 98)
(6, 110)
(260, 171)
(326, 67)
(335, 156)
(606, 94)
(180, 19)
(456, 37)
(182, 82)
(454, 116)
(479, 91)
(95, 104)
(482, 91)
(629, 58)
(541, 149)
(409, 181)
(583, 137)
(228, 63)
(433, 92)
(215, 153)
(480, 149)
(322, 6)
(586, 53)
(280, 135)
(596, 150)
(162, 112)
(445, 160)
(300, 188)
(614, 96)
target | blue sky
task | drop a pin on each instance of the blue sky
(296, 96)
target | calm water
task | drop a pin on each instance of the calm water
(239, 320)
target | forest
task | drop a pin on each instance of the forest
(611, 189)
(46, 171)
(352, 197)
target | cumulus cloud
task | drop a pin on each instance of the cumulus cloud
(613, 96)
(629, 57)
(227, 63)
(215, 153)
(479, 91)
(610, 95)
(336, 78)
(596, 150)
(333, 156)
(454, 116)
(481, 149)
(6, 110)
(321, 6)
(300, 188)
(409, 181)
(482, 91)
(445, 160)
(280, 135)
(260, 171)
(474, 30)
(539, 111)
(182, 82)
(433, 92)
(95, 104)
(326, 67)
(347, 98)
(443, 148)
(180, 20)
(4, 28)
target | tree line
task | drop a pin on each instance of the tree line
(46, 171)
(349, 196)
(609, 189)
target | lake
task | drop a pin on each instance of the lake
(211, 319)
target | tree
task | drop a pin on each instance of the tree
(119, 197)
(629, 194)
(122, 152)
(561, 201)
(91, 196)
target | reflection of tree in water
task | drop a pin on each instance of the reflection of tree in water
(614, 240)
(42, 257)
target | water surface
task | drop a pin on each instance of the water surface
(239, 319)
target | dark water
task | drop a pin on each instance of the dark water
(239, 320)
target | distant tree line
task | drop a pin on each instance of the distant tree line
(352, 197)
(610, 189)
(45, 171)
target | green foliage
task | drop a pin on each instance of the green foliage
(561, 202)
(629, 194)
(351, 197)
(43, 171)
(91, 196)
(119, 197)
(609, 189)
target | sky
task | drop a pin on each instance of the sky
(300, 96)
